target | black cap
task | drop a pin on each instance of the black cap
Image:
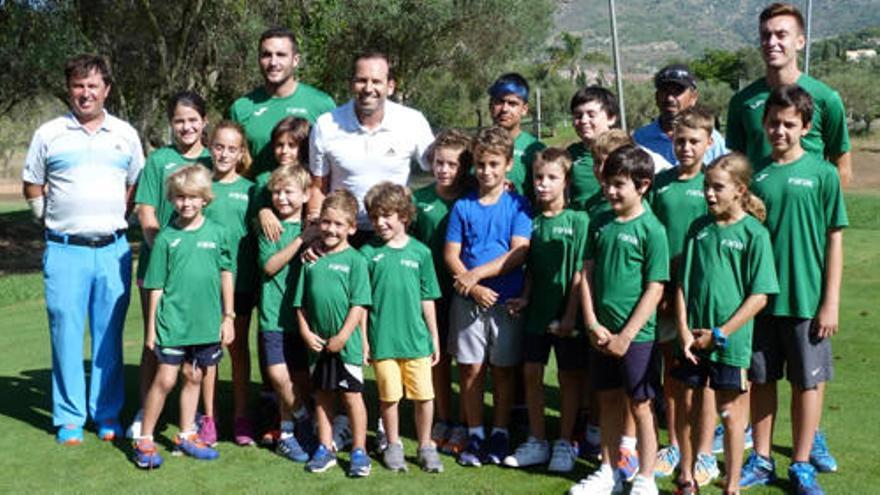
(676, 73)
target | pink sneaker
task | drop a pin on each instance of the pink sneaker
(208, 431)
(243, 431)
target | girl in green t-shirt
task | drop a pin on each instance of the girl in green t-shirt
(290, 146)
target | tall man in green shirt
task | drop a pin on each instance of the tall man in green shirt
(782, 36)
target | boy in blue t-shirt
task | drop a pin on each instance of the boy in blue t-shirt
(487, 242)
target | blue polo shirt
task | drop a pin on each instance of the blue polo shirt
(652, 137)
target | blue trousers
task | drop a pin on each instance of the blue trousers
(83, 281)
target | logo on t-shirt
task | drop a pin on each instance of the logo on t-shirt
(410, 264)
(761, 177)
(174, 243)
(733, 244)
(239, 196)
(378, 257)
(663, 189)
(427, 207)
(564, 231)
(628, 238)
(296, 110)
(695, 192)
(336, 267)
(756, 105)
(797, 181)
(169, 166)
(260, 111)
(206, 244)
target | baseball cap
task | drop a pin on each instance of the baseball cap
(676, 73)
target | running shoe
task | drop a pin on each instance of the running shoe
(667, 460)
(718, 440)
(563, 458)
(322, 460)
(342, 436)
(628, 464)
(529, 453)
(393, 457)
(803, 477)
(601, 482)
(497, 448)
(69, 435)
(429, 460)
(472, 454)
(458, 441)
(243, 432)
(192, 446)
(109, 430)
(290, 448)
(705, 469)
(360, 465)
(146, 456)
(757, 471)
(643, 485)
(440, 433)
(820, 456)
(208, 431)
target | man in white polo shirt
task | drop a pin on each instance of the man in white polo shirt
(78, 177)
(366, 141)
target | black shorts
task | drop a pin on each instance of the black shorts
(790, 344)
(571, 352)
(197, 355)
(720, 376)
(637, 372)
(331, 374)
(245, 302)
(441, 308)
(283, 348)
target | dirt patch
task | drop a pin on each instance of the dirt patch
(21, 243)
(866, 164)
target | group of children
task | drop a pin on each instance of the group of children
(605, 263)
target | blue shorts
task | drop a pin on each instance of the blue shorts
(283, 348)
(197, 354)
(637, 372)
(571, 352)
(719, 376)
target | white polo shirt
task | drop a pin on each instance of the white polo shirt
(357, 158)
(86, 173)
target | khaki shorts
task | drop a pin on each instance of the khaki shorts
(394, 376)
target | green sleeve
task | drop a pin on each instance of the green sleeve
(581, 232)
(430, 289)
(300, 288)
(762, 267)
(149, 188)
(656, 255)
(157, 270)
(832, 200)
(266, 249)
(227, 264)
(734, 133)
(590, 249)
(359, 279)
(834, 132)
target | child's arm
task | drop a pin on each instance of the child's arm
(154, 296)
(311, 340)
(746, 311)
(599, 335)
(429, 312)
(619, 344)
(269, 224)
(149, 223)
(283, 256)
(827, 318)
(684, 333)
(515, 305)
(365, 343)
(352, 321)
(227, 291)
(510, 260)
(566, 323)
(483, 296)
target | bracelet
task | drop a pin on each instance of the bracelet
(231, 315)
(719, 340)
(593, 326)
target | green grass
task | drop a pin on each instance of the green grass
(33, 463)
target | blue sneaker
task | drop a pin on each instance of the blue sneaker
(69, 435)
(497, 448)
(322, 460)
(667, 461)
(361, 465)
(757, 471)
(472, 454)
(718, 440)
(748, 442)
(145, 454)
(109, 430)
(628, 465)
(820, 457)
(290, 448)
(194, 447)
(803, 476)
(590, 451)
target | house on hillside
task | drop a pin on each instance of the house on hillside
(863, 53)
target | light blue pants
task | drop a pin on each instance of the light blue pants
(82, 281)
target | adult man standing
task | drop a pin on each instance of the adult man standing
(367, 140)
(675, 90)
(79, 176)
(782, 36)
(280, 95)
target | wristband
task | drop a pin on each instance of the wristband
(231, 315)
(719, 340)
(38, 207)
(593, 326)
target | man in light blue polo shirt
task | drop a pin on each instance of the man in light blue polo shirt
(79, 176)
(675, 91)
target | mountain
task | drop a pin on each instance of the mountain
(652, 32)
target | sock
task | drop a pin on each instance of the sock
(628, 443)
(478, 431)
(594, 434)
(185, 435)
(301, 413)
(145, 437)
(500, 430)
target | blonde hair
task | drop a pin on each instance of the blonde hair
(604, 144)
(553, 156)
(289, 174)
(386, 197)
(739, 169)
(192, 179)
(696, 117)
(244, 166)
(342, 201)
(493, 140)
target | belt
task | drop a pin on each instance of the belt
(79, 240)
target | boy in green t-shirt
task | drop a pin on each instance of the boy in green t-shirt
(594, 111)
(805, 216)
(283, 353)
(404, 343)
(627, 265)
(549, 302)
(677, 200)
(190, 273)
(330, 300)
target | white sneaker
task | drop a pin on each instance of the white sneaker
(137, 424)
(530, 453)
(643, 486)
(603, 481)
(342, 435)
(381, 437)
(563, 458)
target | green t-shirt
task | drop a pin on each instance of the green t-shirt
(401, 278)
(186, 265)
(327, 289)
(258, 112)
(677, 203)
(803, 202)
(556, 252)
(627, 256)
(276, 295)
(745, 114)
(230, 208)
(525, 147)
(429, 227)
(721, 266)
(583, 183)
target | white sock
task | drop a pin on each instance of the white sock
(628, 443)
(478, 431)
(500, 430)
(594, 434)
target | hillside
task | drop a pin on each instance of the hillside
(655, 31)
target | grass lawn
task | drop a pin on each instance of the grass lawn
(33, 463)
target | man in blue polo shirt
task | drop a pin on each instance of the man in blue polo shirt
(675, 91)
(78, 177)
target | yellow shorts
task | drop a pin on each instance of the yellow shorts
(413, 375)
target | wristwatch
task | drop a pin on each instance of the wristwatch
(230, 315)
(719, 340)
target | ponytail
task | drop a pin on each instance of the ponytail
(754, 206)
